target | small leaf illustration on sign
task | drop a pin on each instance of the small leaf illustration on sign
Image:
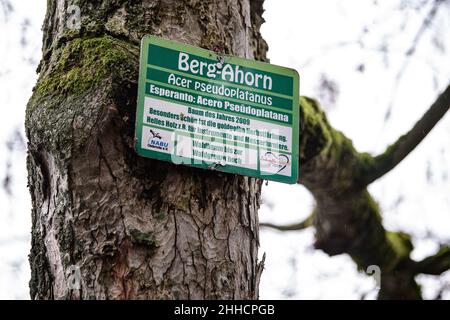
(199, 108)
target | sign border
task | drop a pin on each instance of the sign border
(263, 66)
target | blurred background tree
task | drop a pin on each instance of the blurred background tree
(374, 66)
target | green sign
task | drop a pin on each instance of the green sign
(203, 109)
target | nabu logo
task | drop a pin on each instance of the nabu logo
(156, 141)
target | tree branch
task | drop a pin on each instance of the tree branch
(436, 264)
(348, 220)
(308, 222)
(395, 153)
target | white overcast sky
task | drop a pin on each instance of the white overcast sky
(303, 35)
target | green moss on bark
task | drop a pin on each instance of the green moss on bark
(82, 64)
(142, 238)
(80, 67)
(76, 86)
(315, 136)
(401, 242)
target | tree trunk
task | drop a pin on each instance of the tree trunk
(133, 228)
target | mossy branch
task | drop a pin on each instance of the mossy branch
(378, 166)
(435, 264)
(348, 219)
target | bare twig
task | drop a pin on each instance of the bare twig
(410, 53)
(6, 7)
(292, 227)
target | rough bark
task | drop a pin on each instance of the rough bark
(135, 227)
